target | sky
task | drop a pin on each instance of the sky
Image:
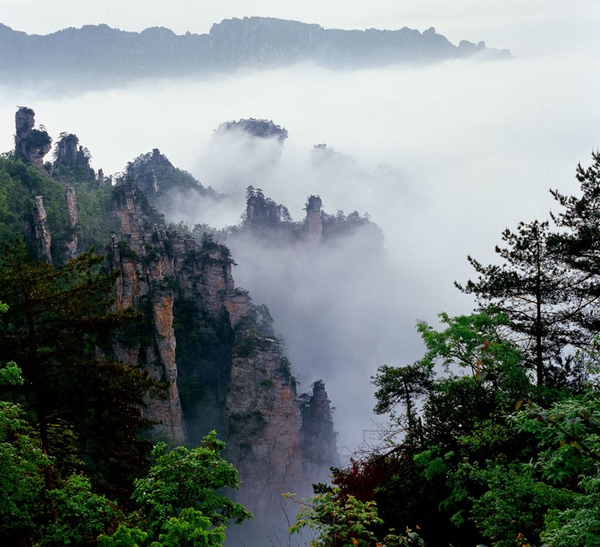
(442, 157)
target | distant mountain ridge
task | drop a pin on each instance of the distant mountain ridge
(258, 42)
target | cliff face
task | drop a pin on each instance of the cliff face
(225, 370)
(263, 422)
(142, 285)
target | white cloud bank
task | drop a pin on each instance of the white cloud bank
(442, 157)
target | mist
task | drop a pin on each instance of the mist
(442, 157)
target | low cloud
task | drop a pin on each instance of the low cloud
(442, 158)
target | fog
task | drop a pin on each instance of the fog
(442, 157)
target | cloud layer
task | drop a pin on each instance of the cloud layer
(442, 157)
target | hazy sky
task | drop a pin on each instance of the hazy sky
(443, 157)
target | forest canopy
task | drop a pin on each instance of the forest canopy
(494, 433)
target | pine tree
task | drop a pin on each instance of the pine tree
(542, 297)
(578, 242)
(86, 407)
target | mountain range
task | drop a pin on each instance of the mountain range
(99, 51)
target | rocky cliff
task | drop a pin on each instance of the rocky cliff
(30, 144)
(225, 369)
(202, 337)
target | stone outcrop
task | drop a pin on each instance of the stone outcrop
(262, 212)
(71, 154)
(224, 368)
(142, 285)
(263, 129)
(73, 215)
(201, 337)
(42, 231)
(30, 144)
(264, 422)
(314, 221)
(318, 434)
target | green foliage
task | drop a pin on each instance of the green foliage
(157, 177)
(579, 241)
(198, 232)
(474, 343)
(540, 296)
(496, 476)
(21, 182)
(514, 502)
(340, 521)
(190, 528)
(81, 514)
(457, 460)
(73, 515)
(87, 410)
(578, 525)
(179, 503)
(342, 225)
(10, 375)
(124, 536)
(452, 426)
(18, 184)
(189, 478)
(21, 483)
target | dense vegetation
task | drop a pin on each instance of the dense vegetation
(75, 467)
(494, 435)
(148, 169)
(20, 182)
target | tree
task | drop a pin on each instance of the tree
(21, 459)
(578, 242)
(540, 295)
(342, 520)
(86, 407)
(450, 407)
(179, 502)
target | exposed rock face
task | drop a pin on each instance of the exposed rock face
(42, 232)
(148, 169)
(265, 218)
(262, 212)
(203, 338)
(318, 435)
(142, 285)
(30, 144)
(73, 215)
(264, 129)
(70, 154)
(263, 422)
(225, 371)
(24, 121)
(314, 222)
(66, 149)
